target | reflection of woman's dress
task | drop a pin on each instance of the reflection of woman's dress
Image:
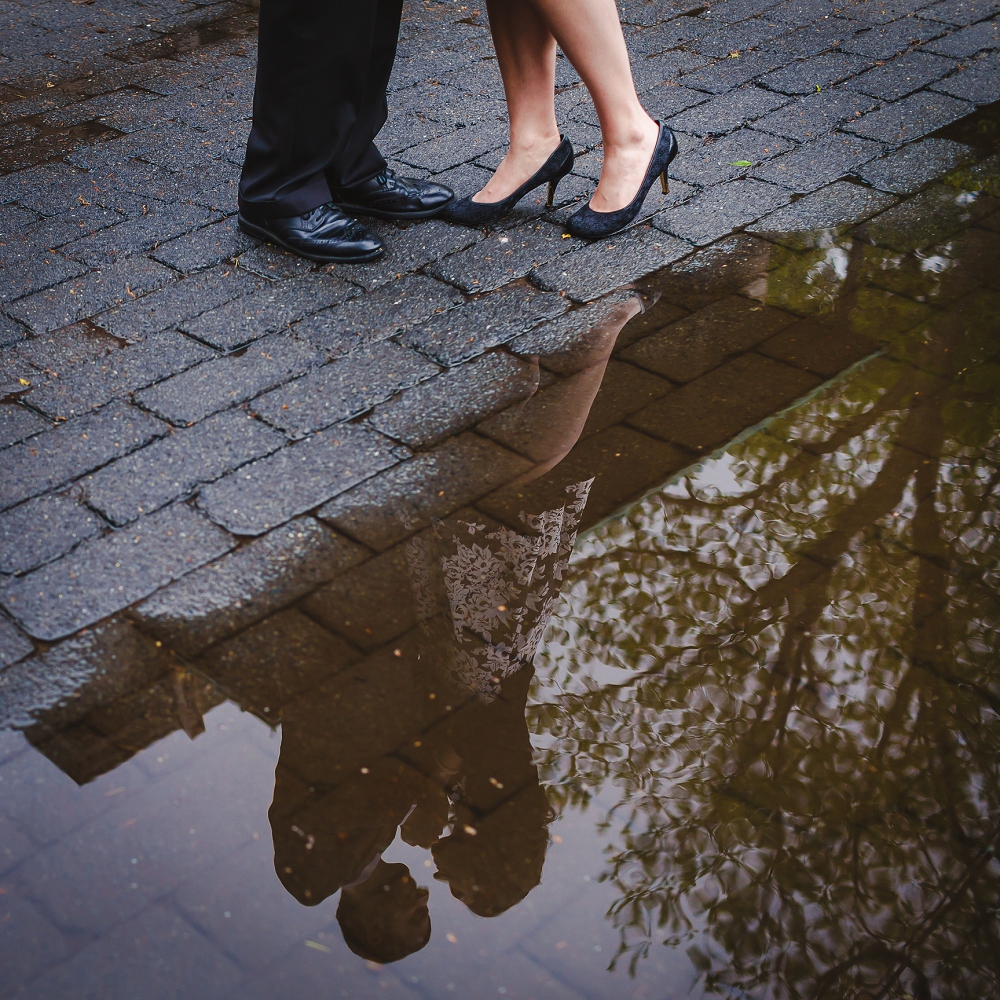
(492, 588)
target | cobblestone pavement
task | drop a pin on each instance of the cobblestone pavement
(206, 443)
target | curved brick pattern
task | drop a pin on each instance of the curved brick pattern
(106, 574)
(253, 582)
(273, 490)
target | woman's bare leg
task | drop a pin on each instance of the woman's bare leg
(590, 34)
(526, 52)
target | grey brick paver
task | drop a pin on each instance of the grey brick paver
(728, 112)
(272, 307)
(816, 114)
(226, 381)
(978, 81)
(967, 42)
(17, 423)
(839, 204)
(911, 118)
(66, 452)
(42, 530)
(456, 399)
(270, 491)
(819, 162)
(104, 575)
(816, 72)
(475, 327)
(343, 389)
(244, 586)
(152, 477)
(14, 646)
(913, 166)
(721, 209)
(385, 509)
(902, 75)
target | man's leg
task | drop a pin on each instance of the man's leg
(312, 85)
(360, 159)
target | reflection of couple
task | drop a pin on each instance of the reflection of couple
(446, 761)
(320, 101)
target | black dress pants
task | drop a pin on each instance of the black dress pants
(319, 101)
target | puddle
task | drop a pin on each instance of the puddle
(676, 677)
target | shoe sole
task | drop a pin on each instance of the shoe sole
(262, 234)
(378, 213)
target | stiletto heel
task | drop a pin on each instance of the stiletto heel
(482, 213)
(592, 225)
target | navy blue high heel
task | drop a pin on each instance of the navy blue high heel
(591, 225)
(481, 213)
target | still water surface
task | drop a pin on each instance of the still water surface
(737, 737)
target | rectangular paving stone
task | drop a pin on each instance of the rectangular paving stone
(10, 332)
(839, 204)
(605, 265)
(716, 407)
(272, 490)
(104, 575)
(719, 210)
(812, 39)
(822, 347)
(818, 71)
(177, 302)
(968, 42)
(411, 248)
(475, 327)
(707, 163)
(910, 118)
(666, 66)
(460, 397)
(459, 146)
(818, 162)
(814, 115)
(883, 41)
(978, 81)
(92, 293)
(138, 234)
(724, 75)
(747, 34)
(902, 75)
(66, 452)
(272, 307)
(227, 381)
(174, 465)
(244, 586)
(343, 389)
(385, 509)
(688, 348)
(35, 272)
(669, 99)
(42, 530)
(14, 646)
(503, 257)
(48, 190)
(910, 168)
(18, 422)
(118, 373)
(728, 112)
(962, 12)
(379, 315)
(204, 247)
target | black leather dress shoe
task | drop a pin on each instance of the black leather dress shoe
(324, 233)
(392, 197)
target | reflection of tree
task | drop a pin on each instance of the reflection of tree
(804, 728)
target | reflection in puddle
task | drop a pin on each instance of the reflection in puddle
(677, 677)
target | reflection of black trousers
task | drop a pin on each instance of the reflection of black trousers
(319, 100)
